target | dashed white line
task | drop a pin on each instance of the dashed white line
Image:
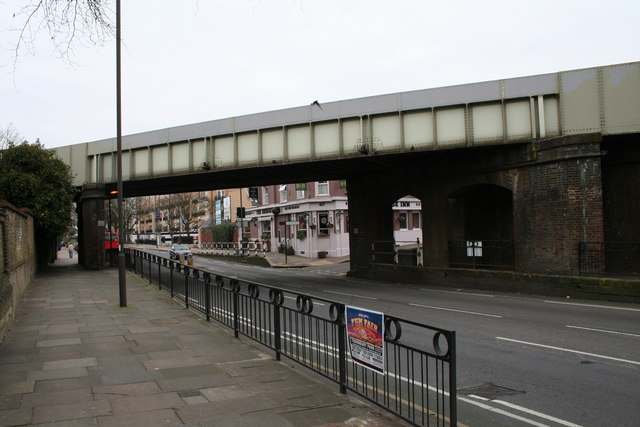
(584, 353)
(456, 310)
(350, 295)
(610, 307)
(458, 293)
(607, 331)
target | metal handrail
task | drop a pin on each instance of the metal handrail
(249, 248)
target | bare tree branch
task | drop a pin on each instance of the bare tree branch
(9, 136)
(65, 23)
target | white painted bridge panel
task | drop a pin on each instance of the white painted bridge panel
(602, 99)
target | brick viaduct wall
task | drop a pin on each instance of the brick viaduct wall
(556, 191)
(17, 261)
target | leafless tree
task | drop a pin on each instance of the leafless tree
(184, 211)
(65, 23)
(130, 212)
(8, 136)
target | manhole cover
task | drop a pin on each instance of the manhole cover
(489, 391)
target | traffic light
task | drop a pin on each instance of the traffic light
(240, 211)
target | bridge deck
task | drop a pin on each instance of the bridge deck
(601, 99)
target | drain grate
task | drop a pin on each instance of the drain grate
(189, 393)
(489, 391)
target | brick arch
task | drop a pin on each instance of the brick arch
(481, 216)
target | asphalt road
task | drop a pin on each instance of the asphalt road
(521, 360)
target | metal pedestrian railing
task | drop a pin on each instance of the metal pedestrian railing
(609, 259)
(248, 248)
(397, 252)
(484, 254)
(418, 382)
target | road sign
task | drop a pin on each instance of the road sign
(293, 222)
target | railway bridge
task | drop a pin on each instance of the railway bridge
(521, 175)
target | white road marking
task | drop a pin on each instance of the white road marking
(569, 350)
(501, 412)
(455, 310)
(350, 295)
(536, 413)
(458, 293)
(603, 330)
(610, 307)
(290, 284)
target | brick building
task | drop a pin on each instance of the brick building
(311, 218)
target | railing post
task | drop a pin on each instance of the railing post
(277, 298)
(171, 265)
(142, 256)
(373, 252)
(581, 252)
(207, 295)
(159, 276)
(235, 291)
(342, 351)
(150, 257)
(453, 388)
(186, 286)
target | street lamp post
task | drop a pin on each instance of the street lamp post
(122, 279)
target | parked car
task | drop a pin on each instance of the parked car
(176, 250)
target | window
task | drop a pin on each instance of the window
(302, 220)
(402, 220)
(266, 230)
(265, 195)
(323, 188)
(416, 219)
(323, 224)
(300, 194)
(283, 193)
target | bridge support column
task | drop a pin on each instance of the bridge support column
(91, 226)
(370, 218)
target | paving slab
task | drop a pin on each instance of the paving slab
(71, 411)
(58, 342)
(136, 389)
(15, 417)
(83, 422)
(70, 363)
(151, 402)
(67, 384)
(56, 374)
(57, 397)
(164, 417)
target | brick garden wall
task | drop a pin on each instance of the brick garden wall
(17, 260)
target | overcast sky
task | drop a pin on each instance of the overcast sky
(190, 61)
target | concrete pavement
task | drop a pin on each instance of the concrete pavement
(74, 357)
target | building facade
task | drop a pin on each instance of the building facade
(308, 219)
